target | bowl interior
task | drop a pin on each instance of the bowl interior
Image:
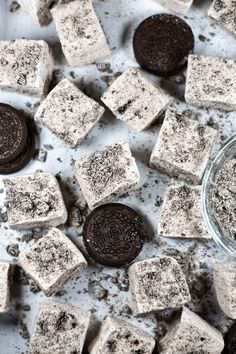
(227, 152)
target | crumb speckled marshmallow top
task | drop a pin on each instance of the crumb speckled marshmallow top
(107, 174)
(34, 200)
(25, 66)
(223, 12)
(52, 261)
(135, 100)
(69, 113)
(117, 336)
(183, 147)
(181, 213)
(59, 329)
(39, 10)
(224, 274)
(178, 6)
(82, 38)
(211, 82)
(5, 283)
(156, 284)
(191, 334)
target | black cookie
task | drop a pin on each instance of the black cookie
(13, 133)
(162, 44)
(113, 234)
(23, 159)
(230, 341)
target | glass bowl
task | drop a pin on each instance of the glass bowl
(226, 152)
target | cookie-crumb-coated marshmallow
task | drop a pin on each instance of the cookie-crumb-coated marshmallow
(25, 65)
(59, 328)
(69, 113)
(181, 213)
(5, 283)
(156, 284)
(224, 274)
(178, 6)
(117, 336)
(135, 100)
(223, 12)
(211, 82)
(34, 200)
(183, 147)
(39, 10)
(107, 174)
(191, 334)
(82, 38)
(52, 261)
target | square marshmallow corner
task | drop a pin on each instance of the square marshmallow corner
(211, 82)
(157, 284)
(6, 272)
(191, 334)
(26, 66)
(52, 261)
(181, 215)
(183, 147)
(69, 113)
(59, 328)
(81, 35)
(223, 12)
(34, 200)
(122, 337)
(180, 7)
(107, 174)
(135, 100)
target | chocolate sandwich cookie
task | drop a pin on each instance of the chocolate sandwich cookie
(230, 341)
(162, 44)
(23, 159)
(114, 234)
(13, 133)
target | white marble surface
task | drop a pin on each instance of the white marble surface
(119, 18)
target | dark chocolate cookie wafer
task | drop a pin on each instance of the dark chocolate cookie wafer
(23, 159)
(162, 44)
(230, 341)
(114, 234)
(13, 133)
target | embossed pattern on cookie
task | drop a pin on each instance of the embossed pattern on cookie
(114, 234)
(23, 159)
(13, 133)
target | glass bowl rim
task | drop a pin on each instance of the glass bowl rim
(223, 241)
